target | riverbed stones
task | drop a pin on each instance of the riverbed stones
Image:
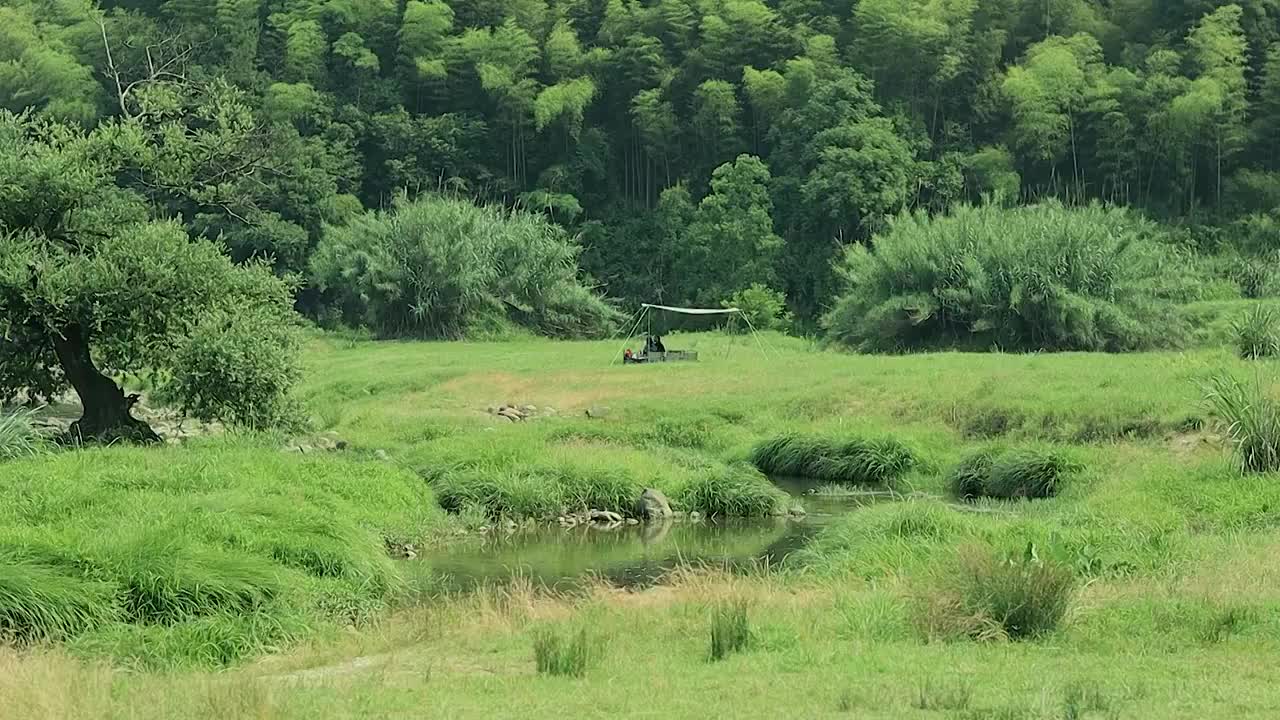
(605, 516)
(653, 505)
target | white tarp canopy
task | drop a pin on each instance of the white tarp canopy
(646, 310)
(692, 311)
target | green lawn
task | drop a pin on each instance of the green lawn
(1176, 612)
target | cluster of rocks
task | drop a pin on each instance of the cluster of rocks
(652, 506)
(520, 413)
(56, 419)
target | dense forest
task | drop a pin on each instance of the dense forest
(694, 148)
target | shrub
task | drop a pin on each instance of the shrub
(1039, 277)
(435, 267)
(730, 630)
(1251, 421)
(238, 369)
(18, 437)
(856, 461)
(765, 308)
(557, 654)
(1257, 333)
(1010, 474)
(983, 596)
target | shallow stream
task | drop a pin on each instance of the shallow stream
(636, 556)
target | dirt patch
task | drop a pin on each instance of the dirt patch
(1186, 445)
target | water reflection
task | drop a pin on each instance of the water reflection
(638, 555)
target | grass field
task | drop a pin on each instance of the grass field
(1160, 549)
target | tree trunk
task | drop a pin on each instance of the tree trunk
(106, 416)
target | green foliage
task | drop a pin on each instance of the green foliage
(89, 284)
(1250, 417)
(437, 266)
(238, 369)
(554, 653)
(1257, 333)
(730, 630)
(857, 461)
(982, 595)
(731, 243)
(1007, 474)
(1042, 277)
(18, 436)
(766, 309)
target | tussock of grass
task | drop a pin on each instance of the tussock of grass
(201, 555)
(557, 653)
(736, 491)
(982, 595)
(1007, 474)
(855, 461)
(41, 603)
(18, 436)
(1251, 419)
(1257, 333)
(730, 629)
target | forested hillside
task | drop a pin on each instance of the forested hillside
(696, 147)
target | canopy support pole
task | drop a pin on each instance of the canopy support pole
(639, 318)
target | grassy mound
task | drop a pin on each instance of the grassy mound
(1010, 473)
(983, 595)
(522, 477)
(855, 461)
(884, 540)
(198, 555)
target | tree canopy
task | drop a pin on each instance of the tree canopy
(662, 134)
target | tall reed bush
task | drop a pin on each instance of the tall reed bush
(1044, 277)
(858, 461)
(1250, 417)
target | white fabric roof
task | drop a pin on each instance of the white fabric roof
(693, 311)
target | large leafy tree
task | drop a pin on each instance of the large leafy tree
(91, 286)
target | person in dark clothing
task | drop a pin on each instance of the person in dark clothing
(657, 344)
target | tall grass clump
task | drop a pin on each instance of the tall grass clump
(855, 461)
(730, 629)
(558, 653)
(1043, 277)
(438, 267)
(1257, 333)
(735, 491)
(983, 595)
(1251, 420)
(40, 603)
(18, 436)
(1008, 474)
